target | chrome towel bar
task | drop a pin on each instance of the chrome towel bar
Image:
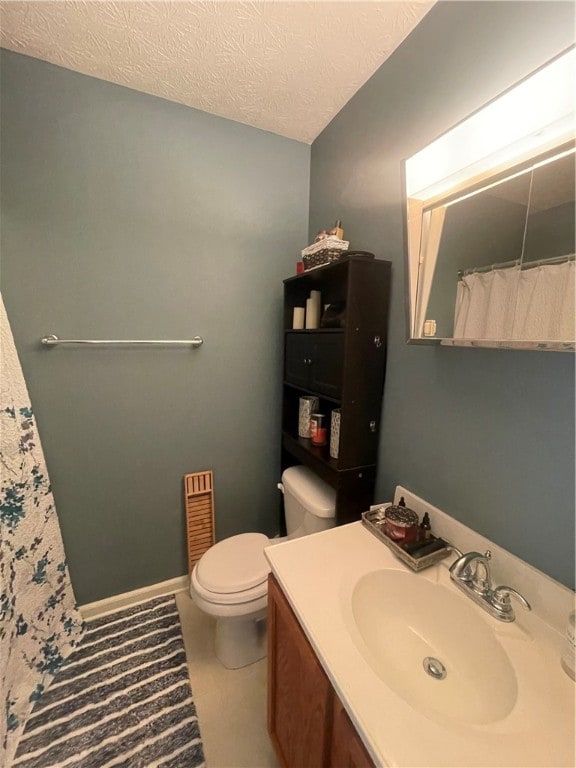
(52, 340)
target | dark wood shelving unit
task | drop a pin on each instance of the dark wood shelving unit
(344, 367)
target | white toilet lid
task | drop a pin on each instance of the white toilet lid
(234, 564)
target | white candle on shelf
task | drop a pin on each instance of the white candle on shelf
(298, 318)
(311, 314)
(316, 297)
(313, 306)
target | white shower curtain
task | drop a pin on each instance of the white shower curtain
(535, 304)
(39, 622)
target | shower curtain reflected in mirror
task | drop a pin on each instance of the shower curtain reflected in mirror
(517, 303)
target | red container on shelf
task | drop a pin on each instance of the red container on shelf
(318, 431)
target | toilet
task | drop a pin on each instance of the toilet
(230, 581)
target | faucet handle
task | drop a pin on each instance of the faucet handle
(501, 601)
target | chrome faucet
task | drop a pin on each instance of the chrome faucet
(473, 570)
(471, 574)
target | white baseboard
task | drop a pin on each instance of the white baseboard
(117, 602)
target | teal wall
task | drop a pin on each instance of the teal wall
(126, 216)
(486, 435)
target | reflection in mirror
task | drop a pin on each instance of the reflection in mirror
(551, 220)
(501, 265)
(545, 307)
(478, 231)
(491, 241)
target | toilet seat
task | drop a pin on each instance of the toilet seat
(233, 571)
(229, 598)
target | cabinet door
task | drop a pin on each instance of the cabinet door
(327, 364)
(299, 693)
(347, 748)
(314, 361)
(297, 359)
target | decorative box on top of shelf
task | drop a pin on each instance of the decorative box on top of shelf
(324, 251)
(342, 366)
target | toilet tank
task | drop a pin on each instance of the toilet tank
(309, 502)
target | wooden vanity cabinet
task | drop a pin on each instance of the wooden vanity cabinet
(299, 693)
(347, 750)
(307, 723)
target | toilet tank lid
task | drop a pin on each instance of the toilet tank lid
(313, 493)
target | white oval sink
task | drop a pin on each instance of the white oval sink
(402, 619)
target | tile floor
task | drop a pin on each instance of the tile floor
(231, 703)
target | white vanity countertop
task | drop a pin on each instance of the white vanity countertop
(318, 574)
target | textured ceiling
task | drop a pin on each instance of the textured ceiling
(285, 67)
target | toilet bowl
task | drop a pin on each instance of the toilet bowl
(230, 581)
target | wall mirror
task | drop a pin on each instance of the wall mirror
(490, 222)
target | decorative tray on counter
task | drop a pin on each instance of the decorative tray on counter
(374, 521)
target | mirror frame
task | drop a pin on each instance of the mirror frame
(498, 171)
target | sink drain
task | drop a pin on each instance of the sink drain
(434, 668)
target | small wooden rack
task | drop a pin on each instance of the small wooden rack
(199, 500)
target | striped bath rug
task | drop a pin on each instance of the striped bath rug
(123, 698)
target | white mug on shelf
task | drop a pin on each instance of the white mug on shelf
(335, 433)
(308, 406)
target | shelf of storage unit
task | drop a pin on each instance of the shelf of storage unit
(344, 368)
(335, 401)
(317, 454)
